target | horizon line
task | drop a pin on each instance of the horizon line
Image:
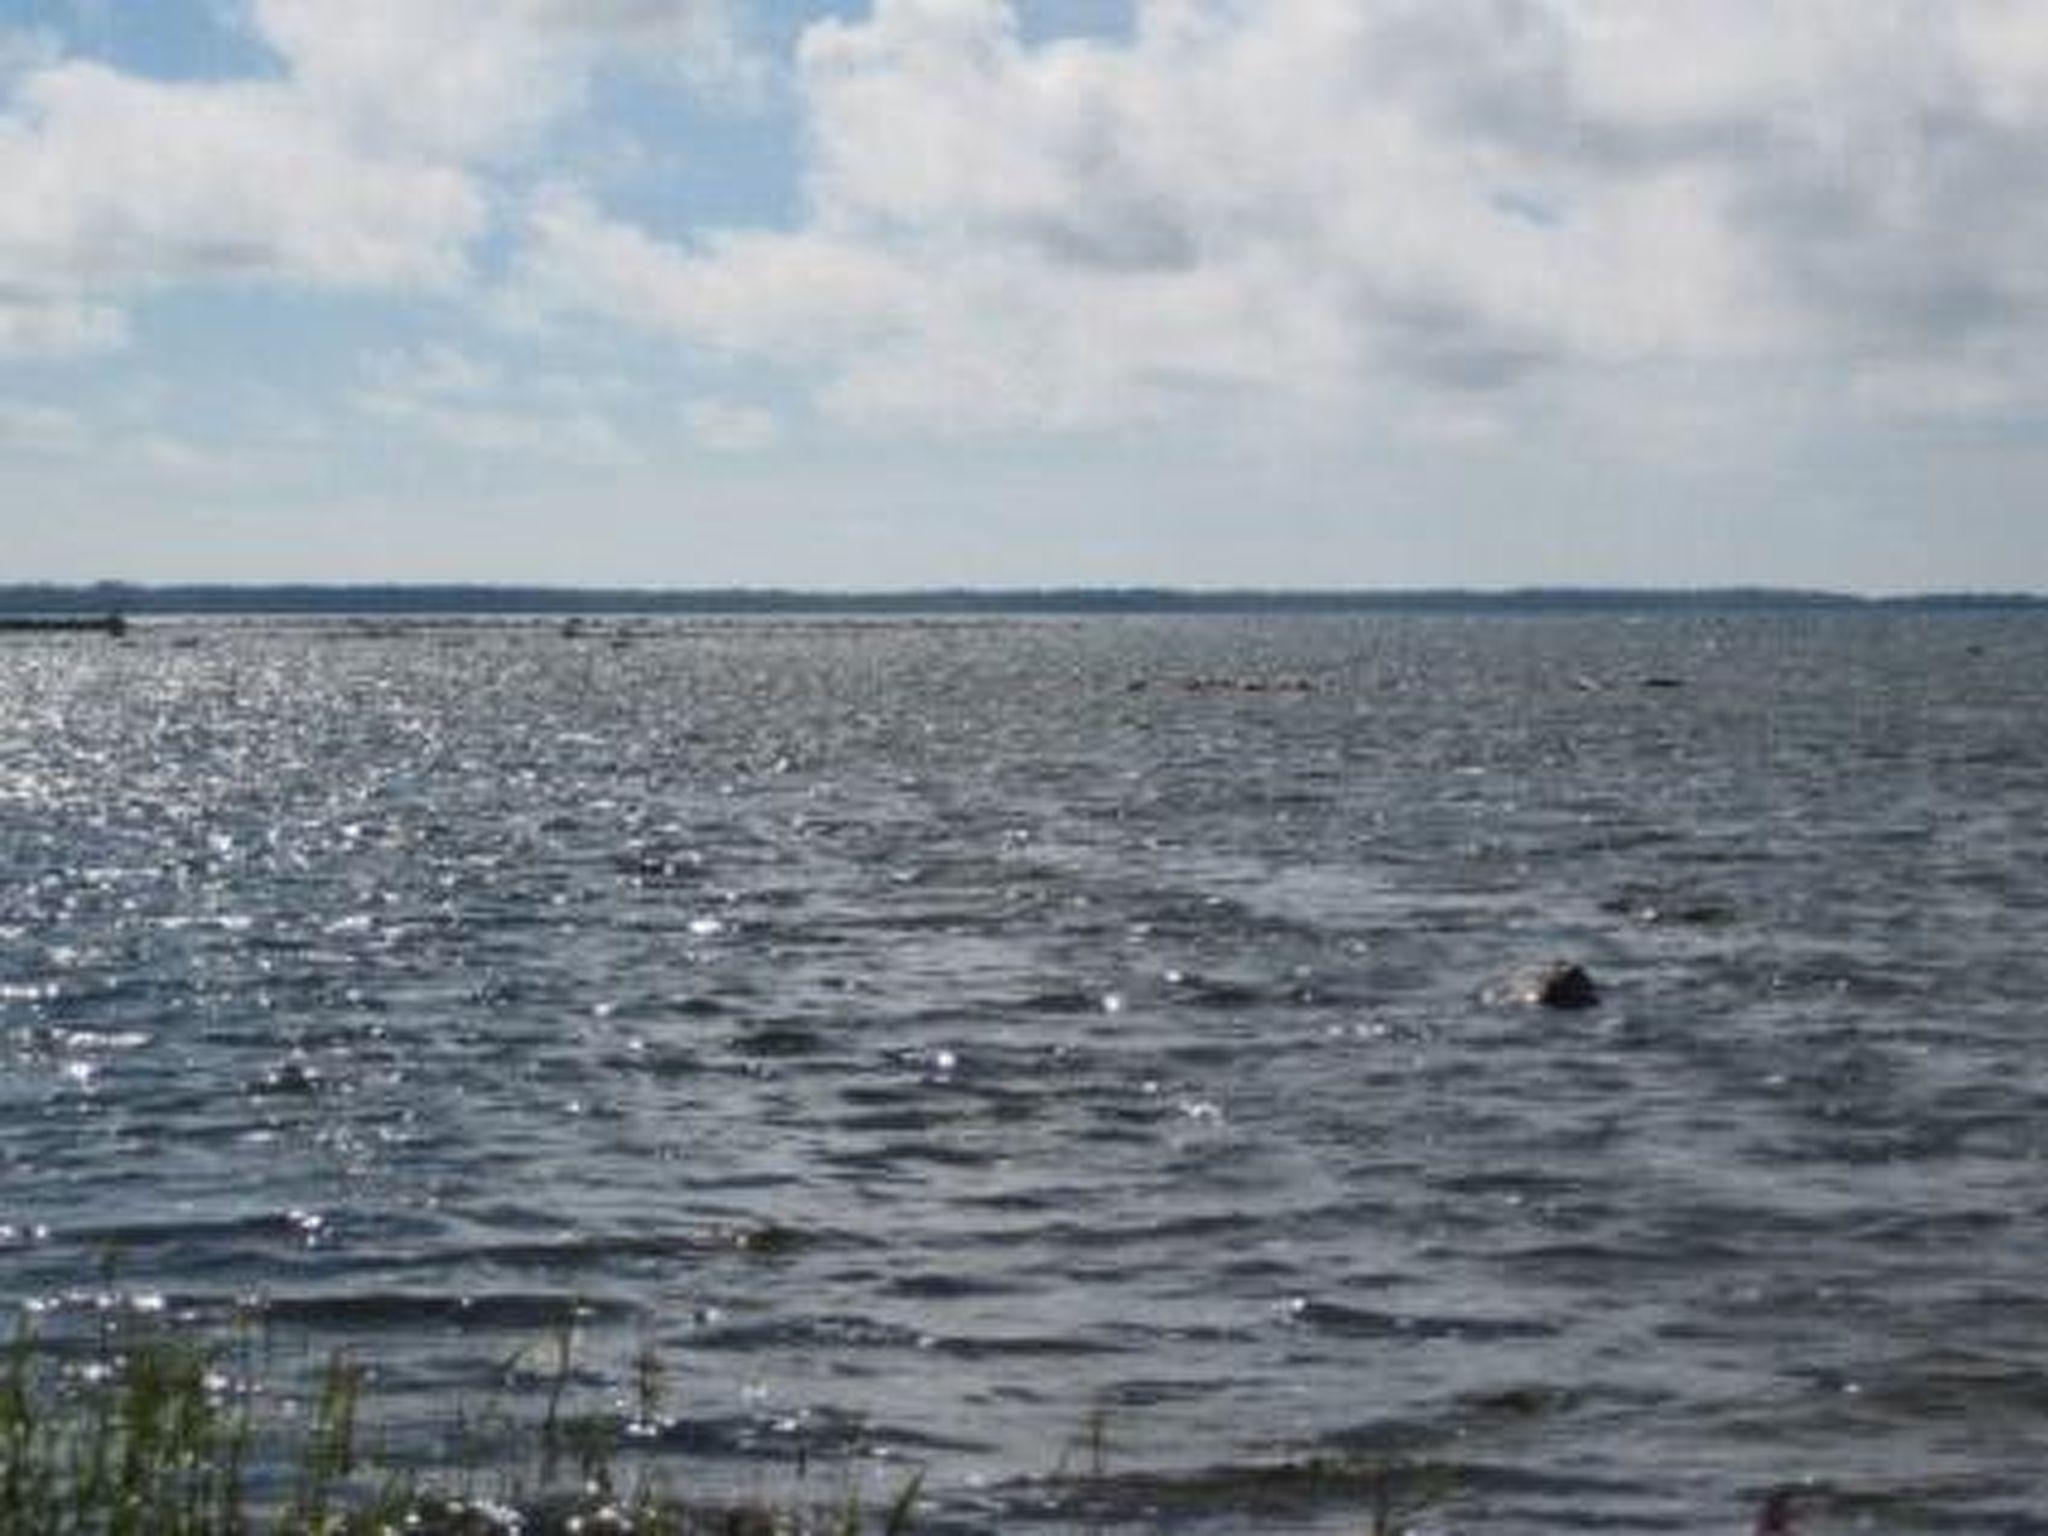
(173, 597)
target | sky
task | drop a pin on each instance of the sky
(877, 294)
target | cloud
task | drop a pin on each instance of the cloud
(433, 370)
(470, 79)
(449, 399)
(91, 450)
(451, 81)
(117, 182)
(727, 427)
(41, 430)
(119, 186)
(1316, 202)
(367, 162)
(796, 296)
(45, 325)
(585, 437)
(1308, 212)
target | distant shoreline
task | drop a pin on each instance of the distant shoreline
(53, 601)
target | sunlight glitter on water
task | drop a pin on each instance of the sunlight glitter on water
(923, 1038)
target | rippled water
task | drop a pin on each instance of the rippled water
(940, 1038)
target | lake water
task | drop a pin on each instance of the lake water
(1002, 1047)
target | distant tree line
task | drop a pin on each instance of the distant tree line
(132, 600)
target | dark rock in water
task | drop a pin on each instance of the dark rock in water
(1561, 984)
(1775, 1517)
(1656, 909)
(289, 1077)
(1247, 685)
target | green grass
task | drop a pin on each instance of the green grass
(139, 1432)
(152, 1435)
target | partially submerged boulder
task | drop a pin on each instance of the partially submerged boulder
(1560, 984)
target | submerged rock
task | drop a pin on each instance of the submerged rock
(1658, 909)
(287, 1078)
(1775, 1517)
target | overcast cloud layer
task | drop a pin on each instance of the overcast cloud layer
(955, 289)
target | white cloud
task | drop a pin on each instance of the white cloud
(452, 79)
(465, 79)
(367, 163)
(45, 325)
(1316, 201)
(41, 430)
(118, 185)
(451, 400)
(165, 455)
(798, 296)
(583, 437)
(93, 449)
(728, 427)
(434, 370)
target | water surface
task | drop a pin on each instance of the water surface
(937, 1038)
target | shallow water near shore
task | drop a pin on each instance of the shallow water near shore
(1000, 1047)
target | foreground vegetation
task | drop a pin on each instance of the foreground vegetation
(151, 1435)
(139, 1432)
